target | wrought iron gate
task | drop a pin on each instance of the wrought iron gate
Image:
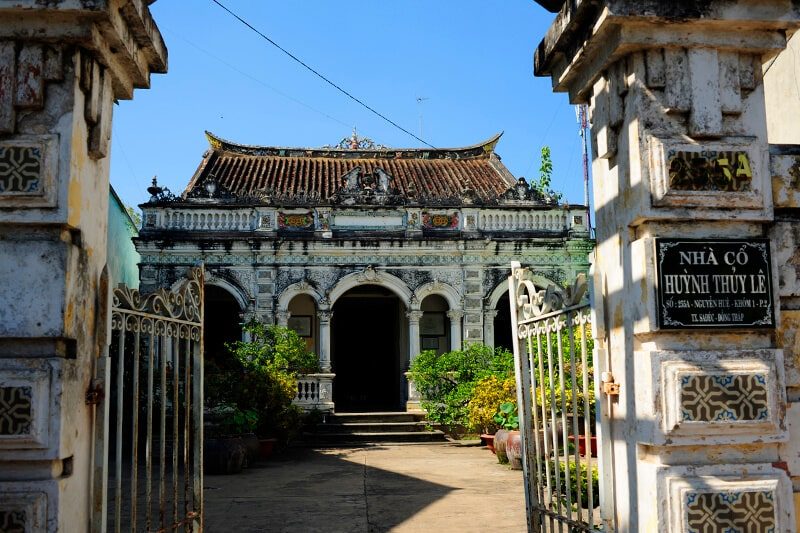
(151, 418)
(556, 402)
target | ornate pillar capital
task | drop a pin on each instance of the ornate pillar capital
(455, 314)
(414, 316)
(324, 315)
(283, 317)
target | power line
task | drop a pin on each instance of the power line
(257, 80)
(316, 73)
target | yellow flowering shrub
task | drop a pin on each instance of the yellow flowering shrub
(487, 396)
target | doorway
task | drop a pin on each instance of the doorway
(367, 344)
(502, 324)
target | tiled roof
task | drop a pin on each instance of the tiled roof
(242, 170)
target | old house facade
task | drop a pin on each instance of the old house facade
(372, 254)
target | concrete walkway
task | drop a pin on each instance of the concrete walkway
(412, 488)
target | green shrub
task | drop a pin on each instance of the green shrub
(446, 382)
(561, 487)
(263, 379)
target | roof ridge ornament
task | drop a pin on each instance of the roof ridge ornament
(354, 142)
(360, 187)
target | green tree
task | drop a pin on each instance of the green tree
(135, 215)
(542, 185)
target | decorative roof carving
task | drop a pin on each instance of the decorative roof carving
(522, 192)
(362, 188)
(354, 142)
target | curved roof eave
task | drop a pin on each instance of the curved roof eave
(218, 143)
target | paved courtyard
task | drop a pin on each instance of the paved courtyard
(432, 487)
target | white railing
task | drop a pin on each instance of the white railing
(507, 220)
(315, 391)
(238, 219)
(204, 219)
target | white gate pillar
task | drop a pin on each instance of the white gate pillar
(325, 339)
(685, 290)
(62, 66)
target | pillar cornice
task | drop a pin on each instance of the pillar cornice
(121, 35)
(588, 37)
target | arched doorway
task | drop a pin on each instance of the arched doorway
(434, 326)
(502, 324)
(303, 320)
(222, 324)
(368, 350)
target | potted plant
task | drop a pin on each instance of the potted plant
(507, 438)
(487, 396)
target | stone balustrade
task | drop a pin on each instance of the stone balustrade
(268, 219)
(544, 220)
(315, 391)
(202, 219)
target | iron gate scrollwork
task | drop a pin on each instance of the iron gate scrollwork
(551, 328)
(150, 436)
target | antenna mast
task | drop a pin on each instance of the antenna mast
(421, 99)
(583, 120)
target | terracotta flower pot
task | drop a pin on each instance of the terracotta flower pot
(252, 444)
(514, 450)
(582, 444)
(224, 455)
(488, 441)
(500, 441)
(267, 447)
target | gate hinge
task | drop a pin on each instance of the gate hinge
(610, 387)
(95, 393)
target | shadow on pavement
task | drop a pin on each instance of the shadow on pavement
(307, 491)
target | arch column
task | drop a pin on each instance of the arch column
(283, 318)
(325, 317)
(413, 351)
(488, 327)
(413, 334)
(455, 316)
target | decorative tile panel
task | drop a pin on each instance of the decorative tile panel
(722, 498)
(708, 397)
(440, 221)
(15, 411)
(724, 397)
(730, 512)
(295, 221)
(23, 507)
(28, 171)
(20, 170)
(13, 521)
(25, 404)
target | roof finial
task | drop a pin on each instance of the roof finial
(354, 140)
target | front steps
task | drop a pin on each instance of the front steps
(358, 429)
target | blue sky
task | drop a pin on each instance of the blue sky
(471, 60)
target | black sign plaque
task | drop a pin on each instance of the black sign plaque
(714, 283)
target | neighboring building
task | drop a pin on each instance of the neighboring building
(371, 253)
(123, 259)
